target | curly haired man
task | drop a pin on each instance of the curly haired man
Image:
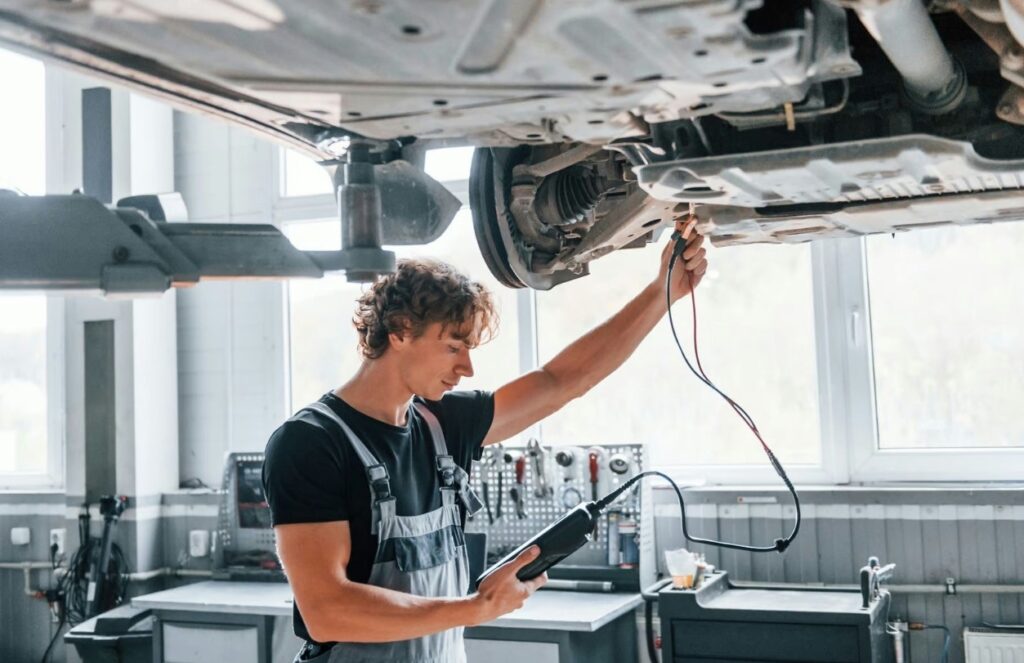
(368, 486)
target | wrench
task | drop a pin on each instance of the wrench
(536, 451)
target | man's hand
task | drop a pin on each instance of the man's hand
(692, 265)
(502, 592)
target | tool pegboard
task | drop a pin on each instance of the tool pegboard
(552, 481)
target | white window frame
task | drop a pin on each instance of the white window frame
(53, 477)
(850, 451)
(868, 462)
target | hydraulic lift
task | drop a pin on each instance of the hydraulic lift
(144, 244)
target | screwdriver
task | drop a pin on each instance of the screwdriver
(593, 475)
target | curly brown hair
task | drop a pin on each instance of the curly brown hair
(418, 293)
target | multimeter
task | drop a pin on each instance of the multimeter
(556, 541)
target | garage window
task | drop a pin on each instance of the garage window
(22, 130)
(30, 453)
(302, 176)
(947, 328)
(756, 341)
(946, 331)
(23, 430)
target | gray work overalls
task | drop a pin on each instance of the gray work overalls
(423, 555)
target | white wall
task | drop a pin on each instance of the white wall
(231, 352)
(155, 397)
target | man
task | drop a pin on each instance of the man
(367, 487)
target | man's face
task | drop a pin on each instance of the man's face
(436, 361)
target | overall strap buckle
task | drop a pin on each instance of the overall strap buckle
(446, 469)
(380, 494)
(380, 484)
(467, 495)
(455, 478)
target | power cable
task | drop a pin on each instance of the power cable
(53, 640)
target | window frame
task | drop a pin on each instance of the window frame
(53, 477)
(843, 353)
(868, 462)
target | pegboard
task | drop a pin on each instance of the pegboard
(510, 531)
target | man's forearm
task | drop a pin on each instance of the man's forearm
(597, 354)
(366, 613)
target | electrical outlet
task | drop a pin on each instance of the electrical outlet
(58, 536)
(198, 543)
(21, 536)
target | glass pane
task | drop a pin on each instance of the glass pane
(756, 337)
(23, 440)
(448, 164)
(324, 346)
(947, 329)
(22, 130)
(314, 236)
(303, 176)
(23, 435)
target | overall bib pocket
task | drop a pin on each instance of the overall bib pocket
(426, 551)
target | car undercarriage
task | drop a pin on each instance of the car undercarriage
(596, 123)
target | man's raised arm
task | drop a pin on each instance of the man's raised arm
(593, 357)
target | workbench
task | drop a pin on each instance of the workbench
(253, 621)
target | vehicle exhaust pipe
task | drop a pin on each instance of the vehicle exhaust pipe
(934, 81)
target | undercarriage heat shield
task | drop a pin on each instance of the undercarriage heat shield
(841, 190)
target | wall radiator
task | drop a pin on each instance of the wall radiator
(987, 645)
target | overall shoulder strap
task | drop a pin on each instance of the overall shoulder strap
(366, 456)
(436, 433)
(376, 473)
(452, 476)
(445, 463)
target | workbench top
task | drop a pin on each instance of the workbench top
(559, 610)
(547, 609)
(238, 598)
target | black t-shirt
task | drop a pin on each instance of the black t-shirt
(312, 475)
